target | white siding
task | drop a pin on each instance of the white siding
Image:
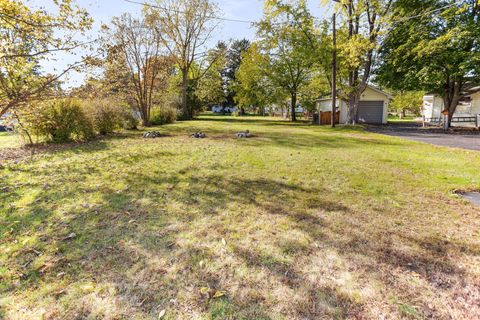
(428, 106)
(325, 105)
(432, 106)
(476, 103)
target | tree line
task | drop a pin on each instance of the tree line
(162, 65)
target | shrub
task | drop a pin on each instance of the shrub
(163, 115)
(128, 119)
(105, 115)
(60, 120)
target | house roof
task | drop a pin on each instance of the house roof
(372, 87)
(467, 92)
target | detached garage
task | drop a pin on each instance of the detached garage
(373, 107)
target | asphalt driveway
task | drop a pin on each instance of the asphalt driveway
(469, 140)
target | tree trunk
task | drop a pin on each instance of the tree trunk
(353, 103)
(451, 99)
(293, 105)
(186, 112)
(145, 118)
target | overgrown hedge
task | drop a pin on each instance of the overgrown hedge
(64, 120)
(163, 115)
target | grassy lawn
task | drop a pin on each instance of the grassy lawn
(396, 119)
(9, 140)
(297, 222)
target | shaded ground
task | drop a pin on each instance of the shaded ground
(299, 222)
(467, 139)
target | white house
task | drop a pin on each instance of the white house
(469, 106)
(373, 107)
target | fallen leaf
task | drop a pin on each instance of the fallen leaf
(219, 294)
(204, 290)
(162, 314)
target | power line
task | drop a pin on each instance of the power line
(180, 11)
(422, 14)
(251, 22)
(428, 12)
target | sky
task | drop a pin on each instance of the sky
(102, 11)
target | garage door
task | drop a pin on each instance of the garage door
(370, 112)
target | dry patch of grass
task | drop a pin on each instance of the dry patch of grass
(298, 222)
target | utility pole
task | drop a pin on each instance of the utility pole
(334, 72)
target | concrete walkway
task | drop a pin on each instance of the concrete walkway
(469, 140)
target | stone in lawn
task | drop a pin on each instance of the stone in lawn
(243, 134)
(152, 134)
(199, 135)
(70, 236)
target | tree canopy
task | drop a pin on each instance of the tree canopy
(437, 50)
(28, 37)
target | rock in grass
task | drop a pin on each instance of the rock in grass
(71, 236)
(198, 135)
(243, 134)
(152, 134)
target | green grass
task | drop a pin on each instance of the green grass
(396, 119)
(297, 222)
(9, 140)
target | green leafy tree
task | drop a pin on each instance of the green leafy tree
(234, 58)
(285, 34)
(28, 37)
(254, 89)
(433, 46)
(318, 86)
(364, 23)
(209, 80)
(407, 101)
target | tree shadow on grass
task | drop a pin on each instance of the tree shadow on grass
(160, 252)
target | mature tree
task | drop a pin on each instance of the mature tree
(209, 77)
(365, 21)
(234, 56)
(184, 26)
(316, 87)
(139, 46)
(285, 34)
(434, 46)
(28, 37)
(254, 89)
(407, 101)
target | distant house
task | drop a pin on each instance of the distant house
(221, 109)
(373, 107)
(468, 107)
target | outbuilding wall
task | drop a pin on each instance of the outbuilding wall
(369, 94)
